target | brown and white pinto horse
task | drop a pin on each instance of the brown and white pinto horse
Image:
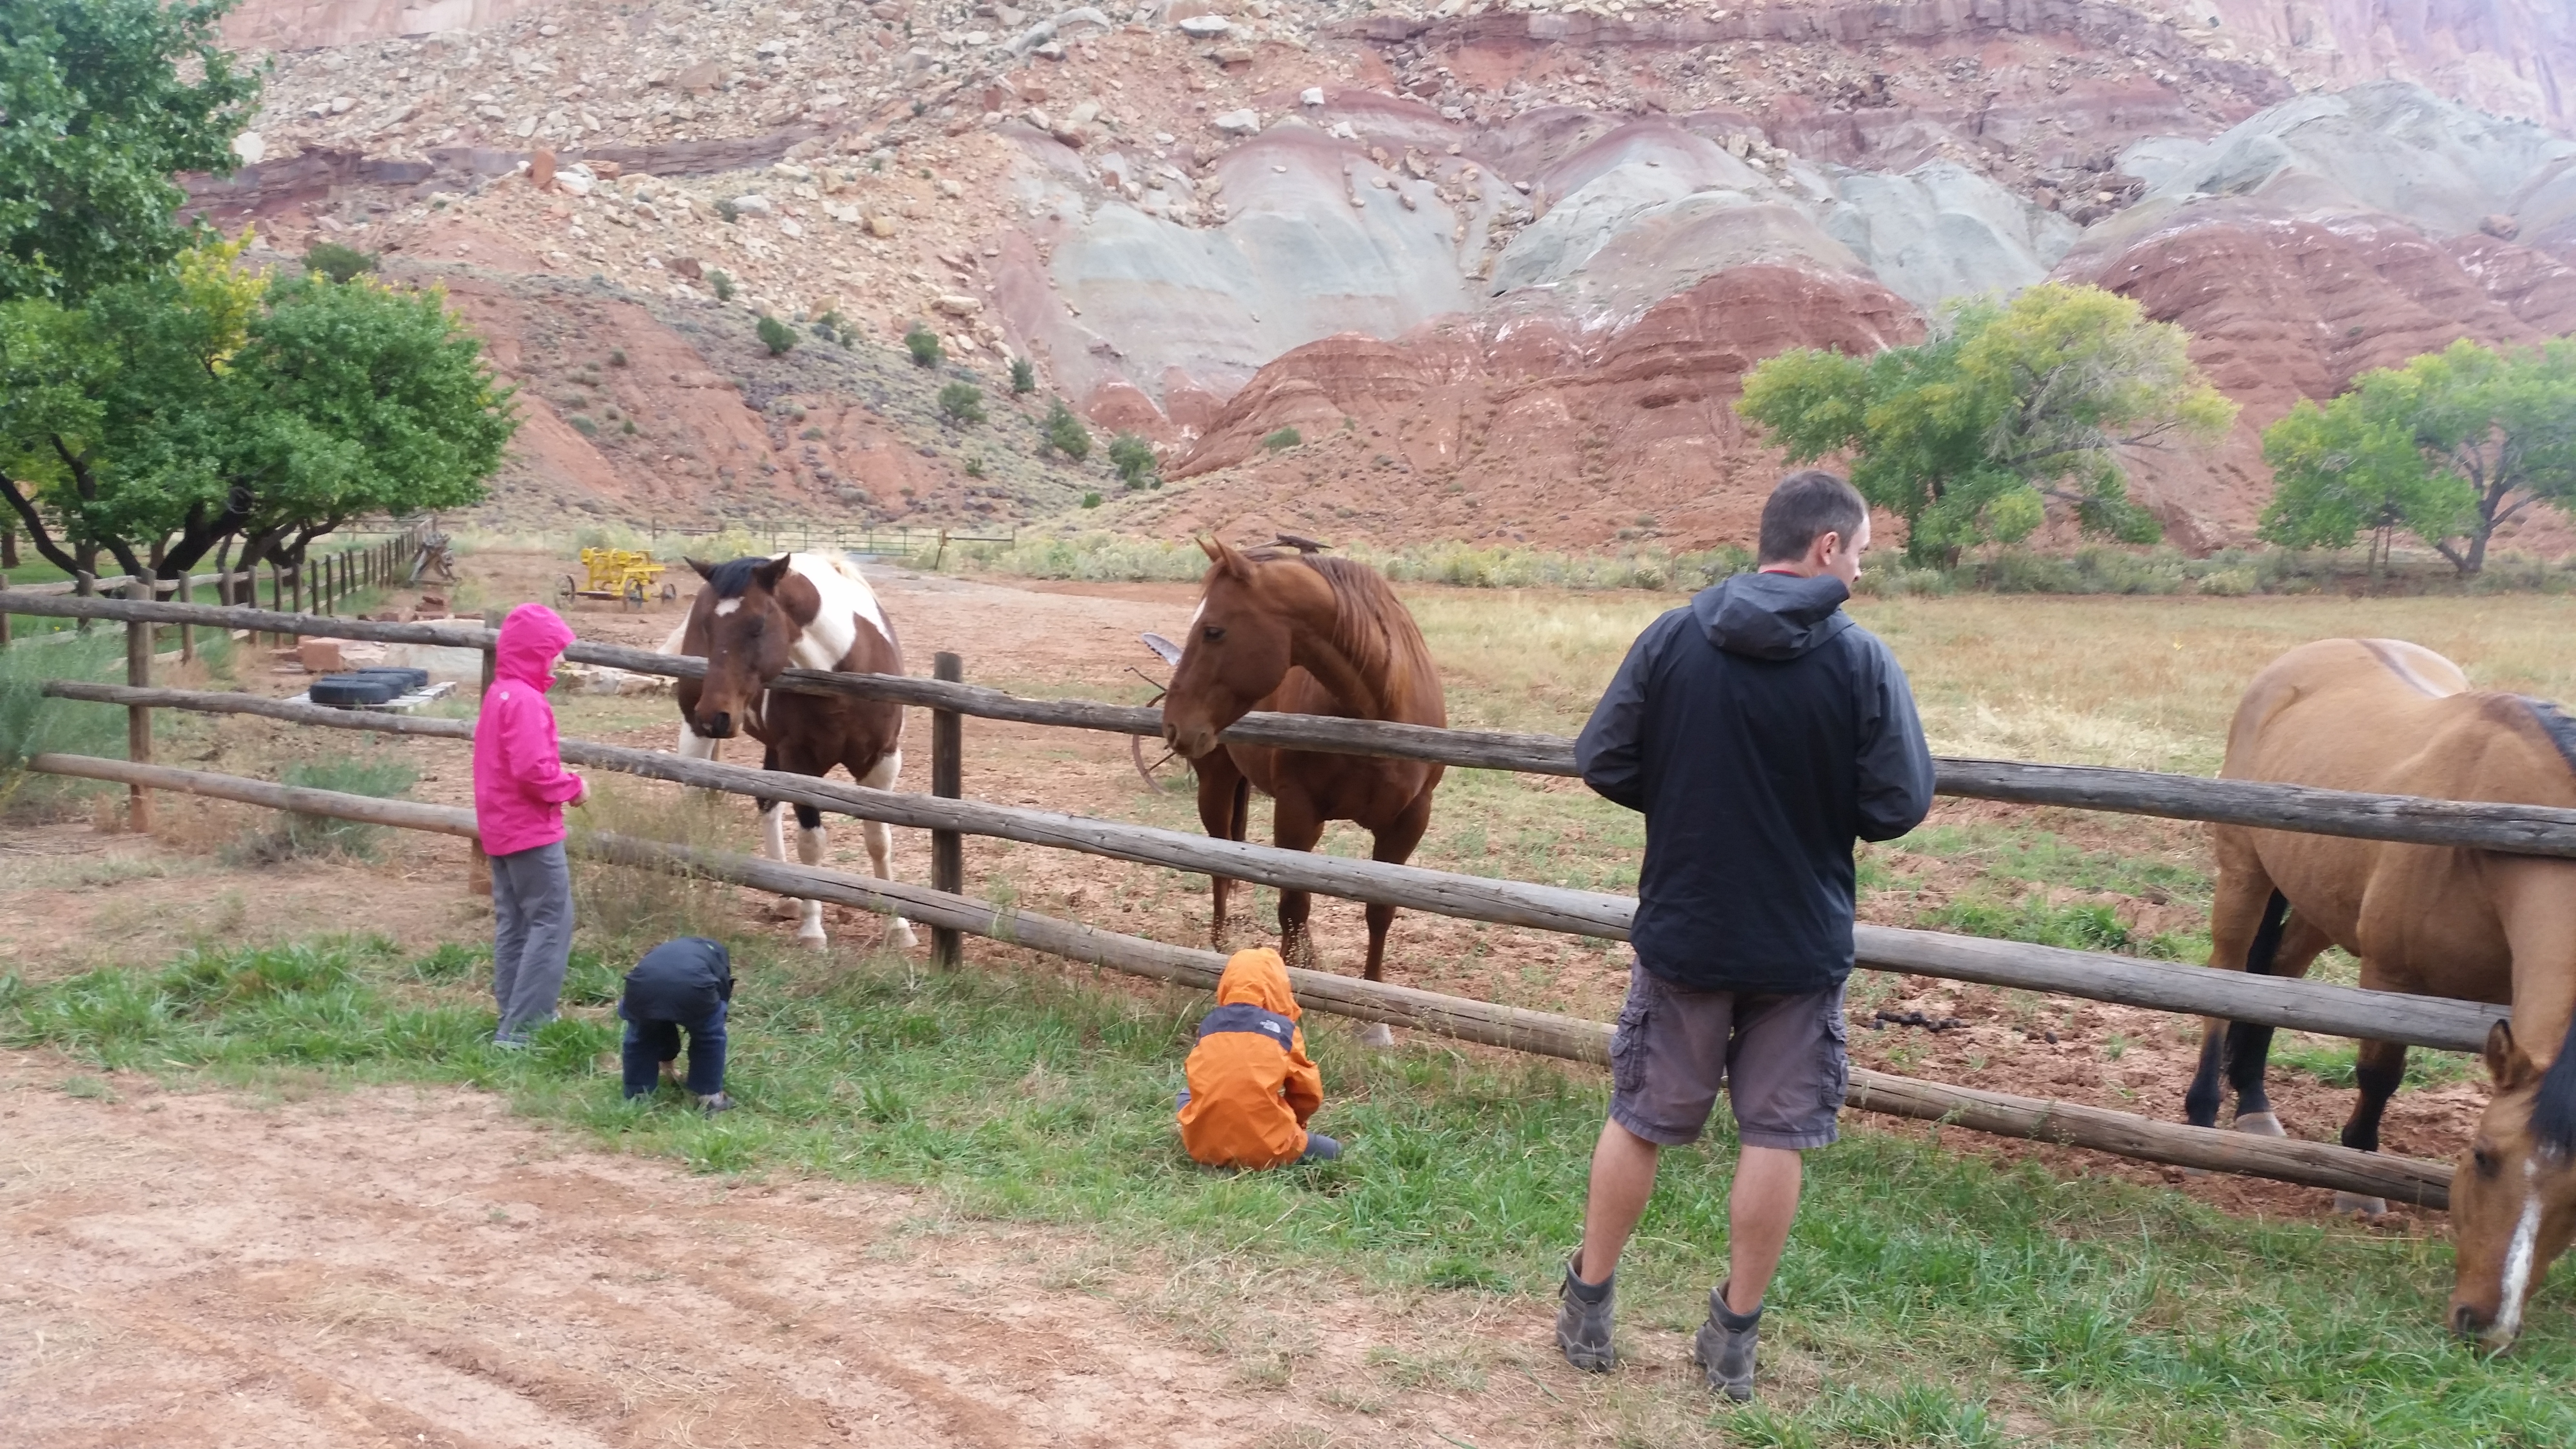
(1304, 634)
(756, 617)
(2390, 717)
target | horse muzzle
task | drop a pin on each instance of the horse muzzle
(2476, 1322)
(1191, 741)
(718, 726)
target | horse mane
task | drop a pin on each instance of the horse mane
(1371, 627)
(732, 578)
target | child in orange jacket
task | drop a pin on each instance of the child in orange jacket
(1251, 1087)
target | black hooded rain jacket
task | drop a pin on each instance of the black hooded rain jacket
(1761, 731)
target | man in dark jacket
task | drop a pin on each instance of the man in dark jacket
(683, 984)
(1761, 731)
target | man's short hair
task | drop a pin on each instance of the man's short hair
(1806, 506)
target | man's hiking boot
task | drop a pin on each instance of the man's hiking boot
(1724, 1346)
(1583, 1323)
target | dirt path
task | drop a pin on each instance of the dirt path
(400, 1268)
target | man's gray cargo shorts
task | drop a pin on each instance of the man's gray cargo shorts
(1781, 1059)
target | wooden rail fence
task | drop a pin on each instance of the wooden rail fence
(2312, 1163)
(2485, 825)
(2302, 1005)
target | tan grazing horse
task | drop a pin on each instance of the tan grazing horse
(757, 617)
(2389, 717)
(1304, 634)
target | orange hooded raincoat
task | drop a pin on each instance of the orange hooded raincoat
(1251, 1086)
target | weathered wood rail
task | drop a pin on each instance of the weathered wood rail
(2486, 825)
(2314, 1164)
(2313, 1006)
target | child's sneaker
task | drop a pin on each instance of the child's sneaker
(1583, 1323)
(715, 1102)
(1320, 1148)
(1724, 1346)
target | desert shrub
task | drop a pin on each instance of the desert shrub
(1024, 377)
(587, 426)
(301, 836)
(339, 263)
(1091, 500)
(617, 357)
(31, 724)
(1134, 459)
(775, 335)
(1283, 440)
(962, 403)
(721, 283)
(924, 346)
(1065, 432)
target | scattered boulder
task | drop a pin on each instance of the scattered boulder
(1205, 27)
(1246, 122)
(2500, 226)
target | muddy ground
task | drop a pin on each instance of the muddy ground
(182, 1274)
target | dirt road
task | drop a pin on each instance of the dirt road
(402, 1268)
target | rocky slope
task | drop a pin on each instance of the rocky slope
(1500, 266)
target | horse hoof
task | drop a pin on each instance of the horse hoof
(1378, 1034)
(901, 934)
(2373, 1208)
(812, 940)
(2259, 1124)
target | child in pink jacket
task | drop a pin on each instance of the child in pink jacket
(520, 789)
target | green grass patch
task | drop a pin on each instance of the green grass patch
(2075, 925)
(375, 771)
(1938, 1298)
(2335, 1062)
(2041, 858)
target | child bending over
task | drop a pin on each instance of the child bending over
(682, 984)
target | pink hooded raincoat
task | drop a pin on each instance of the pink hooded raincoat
(520, 784)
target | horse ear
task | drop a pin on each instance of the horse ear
(705, 570)
(1226, 558)
(2507, 1063)
(774, 570)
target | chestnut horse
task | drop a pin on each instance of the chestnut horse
(756, 617)
(1303, 634)
(2390, 717)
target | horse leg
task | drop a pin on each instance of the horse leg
(1225, 810)
(2244, 926)
(809, 850)
(2381, 1067)
(880, 839)
(1393, 846)
(1294, 825)
(2295, 945)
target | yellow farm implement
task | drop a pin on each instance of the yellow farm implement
(618, 573)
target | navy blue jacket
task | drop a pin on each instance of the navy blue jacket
(680, 980)
(1761, 731)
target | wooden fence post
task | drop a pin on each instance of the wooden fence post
(138, 720)
(187, 594)
(4, 618)
(948, 782)
(491, 652)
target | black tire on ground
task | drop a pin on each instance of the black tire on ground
(404, 678)
(349, 691)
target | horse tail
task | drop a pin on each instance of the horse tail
(2266, 946)
(2553, 1113)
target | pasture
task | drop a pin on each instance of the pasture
(987, 1152)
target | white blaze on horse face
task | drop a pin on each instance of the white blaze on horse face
(2518, 1256)
(727, 606)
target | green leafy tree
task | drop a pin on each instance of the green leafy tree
(1065, 432)
(2448, 448)
(206, 404)
(775, 335)
(1134, 459)
(962, 403)
(100, 101)
(2007, 408)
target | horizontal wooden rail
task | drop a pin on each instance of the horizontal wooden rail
(2312, 1006)
(2486, 825)
(2315, 1164)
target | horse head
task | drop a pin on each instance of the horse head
(746, 631)
(2513, 1195)
(1239, 647)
